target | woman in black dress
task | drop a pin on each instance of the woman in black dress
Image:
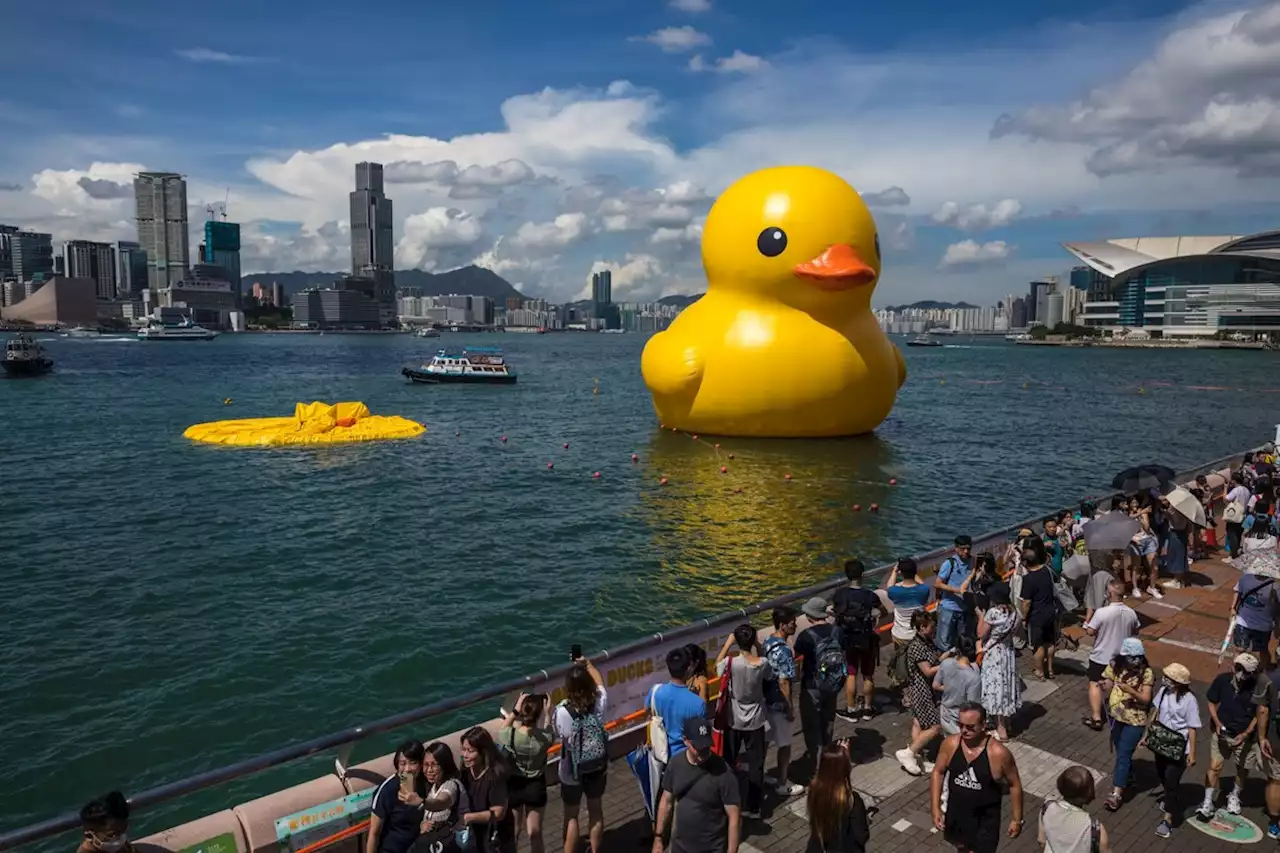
(1040, 608)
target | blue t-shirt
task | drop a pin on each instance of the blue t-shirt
(908, 596)
(675, 704)
(953, 572)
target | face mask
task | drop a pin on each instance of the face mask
(114, 845)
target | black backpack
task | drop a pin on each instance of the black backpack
(856, 621)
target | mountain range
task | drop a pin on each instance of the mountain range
(930, 305)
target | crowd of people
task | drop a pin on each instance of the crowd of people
(953, 667)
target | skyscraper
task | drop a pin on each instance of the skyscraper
(6, 250)
(131, 274)
(161, 199)
(1038, 301)
(222, 248)
(86, 259)
(602, 287)
(372, 237)
(32, 254)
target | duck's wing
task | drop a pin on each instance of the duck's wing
(902, 364)
(672, 364)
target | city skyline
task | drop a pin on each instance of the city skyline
(596, 141)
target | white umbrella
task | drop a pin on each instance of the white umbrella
(1076, 566)
(1187, 505)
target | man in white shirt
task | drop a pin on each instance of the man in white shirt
(1110, 626)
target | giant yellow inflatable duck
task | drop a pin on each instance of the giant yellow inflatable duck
(784, 343)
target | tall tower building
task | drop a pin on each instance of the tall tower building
(32, 254)
(602, 287)
(222, 247)
(6, 250)
(373, 238)
(86, 259)
(161, 199)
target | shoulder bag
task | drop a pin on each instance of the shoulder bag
(1162, 740)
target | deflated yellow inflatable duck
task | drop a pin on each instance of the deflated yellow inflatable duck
(312, 423)
(784, 343)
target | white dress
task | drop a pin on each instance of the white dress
(1001, 684)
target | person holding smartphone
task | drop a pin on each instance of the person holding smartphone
(526, 737)
(397, 804)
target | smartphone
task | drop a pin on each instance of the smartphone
(406, 782)
(575, 651)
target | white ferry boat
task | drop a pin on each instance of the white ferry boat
(23, 356)
(473, 365)
(83, 332)
(427, 332)
(183, 331)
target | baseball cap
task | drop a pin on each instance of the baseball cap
(698, 732)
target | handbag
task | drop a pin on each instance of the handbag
(1233, 513)
(1164, 741)
(720, 722)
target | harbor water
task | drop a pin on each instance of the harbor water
(171, 608)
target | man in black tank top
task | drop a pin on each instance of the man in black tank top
(975, 767)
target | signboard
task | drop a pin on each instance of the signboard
(308, 826)
(224, 843)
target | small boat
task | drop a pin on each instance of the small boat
(924, 342)
(23, 356)
(473, 365)
(427, 332)
(182, 331)
(83, 332)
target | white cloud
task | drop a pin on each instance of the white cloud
(691, 233)
(204, 54)
(560, 232)
(737, 62)
(891, 197)
(438, 238)
(638, 277)
(693, 7)
(978, 217)
(970, 253)
(323, 249)
(1209, 95)
(676, 39)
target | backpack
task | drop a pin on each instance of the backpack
(856, 621)
(587, 745)
(658, 740)
(899, 669)
(830, 670)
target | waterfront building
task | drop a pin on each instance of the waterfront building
(1038, 301)
(58, 300)
(1018, 314)
(1054, 314)
(372, 238)
(87, 259)
(277, 294)
(204, 294)
(259, 293)
(131, 270)
(32, 253)
(160, 200)
(602, 299)
(1184, 286)
(221, 248)
(451, 310)
(335, 308)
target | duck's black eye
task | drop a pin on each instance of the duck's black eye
(772, 242)
(877, 245)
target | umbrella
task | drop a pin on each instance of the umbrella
(1076, 566)
(1142, 477)
(648, 774)
(1187, 505)
(1110, 531)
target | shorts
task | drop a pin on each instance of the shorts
(975, 829)
(591, 785)
(1095, 671)
(524, 792)
(1144, 547)
(863, 661)
(779, 729)
(1042, 633)
(1251, 640)
(1247, 755)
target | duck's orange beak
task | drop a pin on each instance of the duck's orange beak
(838, 268)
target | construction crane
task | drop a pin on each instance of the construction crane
(218, 210)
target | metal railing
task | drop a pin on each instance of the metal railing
(345, 737)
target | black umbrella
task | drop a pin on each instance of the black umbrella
(1143, 477)
(1111, 531)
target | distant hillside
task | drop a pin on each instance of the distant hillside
(471, 281)
(682, 301)
(930, 305)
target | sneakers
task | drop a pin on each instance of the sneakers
(1154, 593)
(909, 762)
(868, 715)
(1137, 593)
(787, 788)
(851, 715)
(1163, 829)
(751, 815)
(1207, 808)
(928, 766)
(1273, 829)
(1233, 803)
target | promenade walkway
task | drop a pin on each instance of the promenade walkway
(1186, 626)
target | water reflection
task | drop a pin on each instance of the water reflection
(742, 535)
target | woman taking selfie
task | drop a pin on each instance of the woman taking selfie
(837, 815)
(397, 804)
(441, 813)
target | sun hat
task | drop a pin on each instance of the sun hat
(815, 608)
(1178, 674)
(1132, 648)
(1247, 662)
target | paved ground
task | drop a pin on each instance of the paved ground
(1187, 626)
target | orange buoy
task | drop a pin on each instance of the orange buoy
(874, 507)
(730, 455)
(595, 476)
(635, 458)
(717, 445)
(662, 482)
(695, 438)
(724, 470)
(857, 507)
(786, 477)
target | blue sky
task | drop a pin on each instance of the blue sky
(624, 120)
